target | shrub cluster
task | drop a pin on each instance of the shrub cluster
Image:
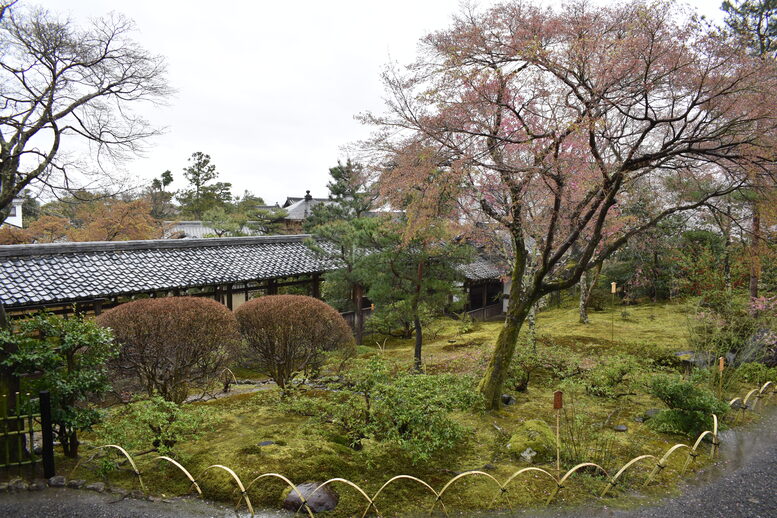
(376, 401)
(289, 334)
(172, 344)
(690, 407)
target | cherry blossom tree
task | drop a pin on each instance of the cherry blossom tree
(555, 123)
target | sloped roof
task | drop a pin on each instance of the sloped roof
(481, 269)
(37, 274)
(301, 209)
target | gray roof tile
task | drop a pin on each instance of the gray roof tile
(35, 274)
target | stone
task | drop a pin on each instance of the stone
(537, 435)
(119, 491)
(266, 443)
(76, 484)
(137, 494)
(17, 484)
(325, 499)
(3, 487)
(508, 400)
(96, 486)
(39, 484)
(620, 428)
(528, 455)
(650, 413)
(489, 467)
(57, 481)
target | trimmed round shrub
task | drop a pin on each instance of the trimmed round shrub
(173, 344)
(289, 334)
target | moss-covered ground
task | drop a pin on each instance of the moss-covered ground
(302, 449)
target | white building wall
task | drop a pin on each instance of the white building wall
(15, 218)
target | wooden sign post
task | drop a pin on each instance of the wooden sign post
(721, 367)
(558, 404)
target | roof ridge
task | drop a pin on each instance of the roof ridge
(146, 244)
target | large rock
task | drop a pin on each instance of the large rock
(536, 435)
(325, 499)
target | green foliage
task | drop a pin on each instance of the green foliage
(153, 423)
(528, 361)
(70, 356)
(614, 376)
(202, 196)
(756, 373)
(396, 318)
(690, 407)
(722, 323)
(410, 411)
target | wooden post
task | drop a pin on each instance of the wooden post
(98, 307)
(721, 367)
(229, 297)
(316, 288)
(47, 433)
(272, 288)
(558, 404)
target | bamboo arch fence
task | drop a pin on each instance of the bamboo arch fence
(750, 401)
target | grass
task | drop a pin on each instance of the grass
(304, 450)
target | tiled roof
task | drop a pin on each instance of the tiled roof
(36, 274)
(481, 269)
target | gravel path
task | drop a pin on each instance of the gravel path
(743, 484)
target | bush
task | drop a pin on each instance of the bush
(155, 424)
(288, 334)
(613, 377)
(690, 407)
(173, 344)
(69, 357)
(411, 411)
(756, 373)
(555, 361)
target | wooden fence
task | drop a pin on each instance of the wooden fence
(24, 419)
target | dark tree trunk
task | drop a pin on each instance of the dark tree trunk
(418, 343)
(358, 316)
(755, 249)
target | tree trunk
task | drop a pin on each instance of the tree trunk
(358, 316)
(532, 317)
(755, 249)
(583, 298)
(727, 251)
(418, 342)
(493, 379)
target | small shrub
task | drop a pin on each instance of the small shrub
(155, 424)
(289, 334)
(376, 401)
(756, 373)
(172, 344)
(690, 407)
(557, 362)
(613, 377)
(69, 357)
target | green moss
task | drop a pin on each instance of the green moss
(534, 434)
(308, 450)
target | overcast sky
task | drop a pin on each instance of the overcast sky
(269, 89)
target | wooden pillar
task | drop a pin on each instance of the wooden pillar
(229, 297)
(98, 307)
(316, 286)
(485, 296)
(272, 288)
(247, 291)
